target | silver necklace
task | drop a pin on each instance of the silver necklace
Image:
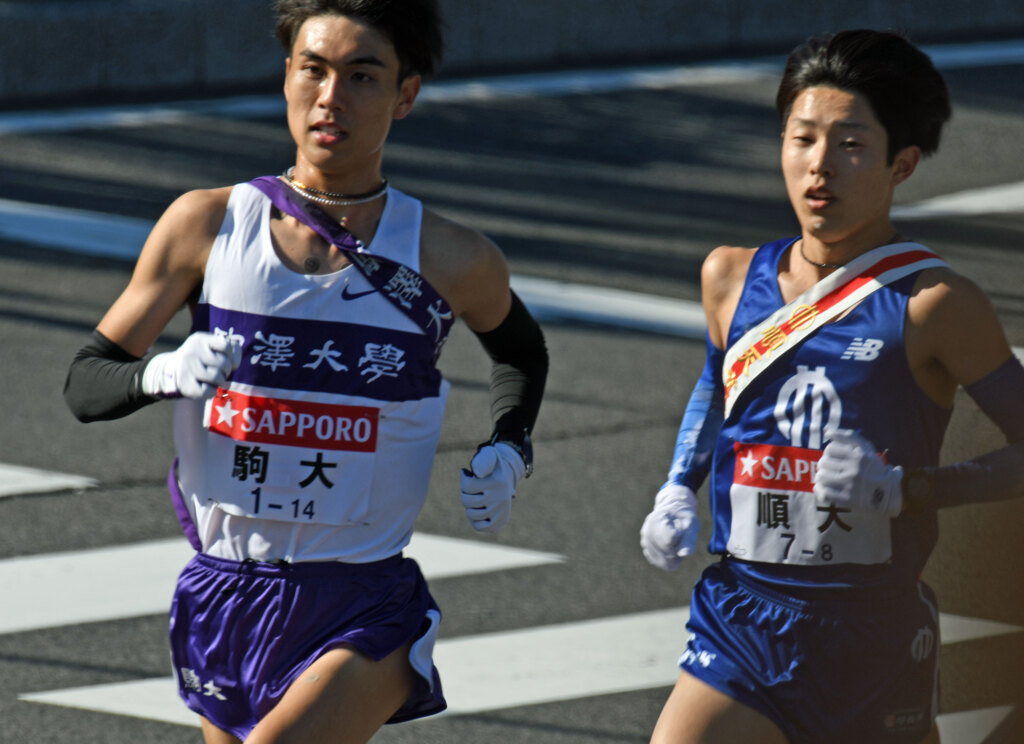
(815, 263)
(330, 198)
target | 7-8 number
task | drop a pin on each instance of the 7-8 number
(826, 548)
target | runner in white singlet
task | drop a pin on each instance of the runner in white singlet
(308, 398)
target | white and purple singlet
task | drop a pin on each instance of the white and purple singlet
(320, 446)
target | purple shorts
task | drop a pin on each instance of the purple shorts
(241, 633)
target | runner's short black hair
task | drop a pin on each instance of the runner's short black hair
(412, 26)
(906, 92)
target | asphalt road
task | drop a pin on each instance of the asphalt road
(625, 189)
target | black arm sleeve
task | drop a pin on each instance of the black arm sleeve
(519, 370)
(997, 475)
(105, 382)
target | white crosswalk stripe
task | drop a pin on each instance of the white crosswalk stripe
(78, 589)
(538, 664)
(972, 726)
(15, 479)
(156, 700)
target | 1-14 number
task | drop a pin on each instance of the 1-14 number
(309, 510)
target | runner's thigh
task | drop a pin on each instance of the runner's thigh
(696, 713)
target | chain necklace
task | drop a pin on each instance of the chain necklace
(815, 263)
(330, 198)
(894, 239)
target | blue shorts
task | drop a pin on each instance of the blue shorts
(241, 633)
(847, 670)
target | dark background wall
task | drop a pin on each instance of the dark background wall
(55, 52)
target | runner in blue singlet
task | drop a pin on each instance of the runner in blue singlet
(833, 359)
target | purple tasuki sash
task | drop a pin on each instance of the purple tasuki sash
(406, 288)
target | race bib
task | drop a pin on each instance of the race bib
(290, 460)
(776, 517)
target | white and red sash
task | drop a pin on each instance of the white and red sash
(752, 354)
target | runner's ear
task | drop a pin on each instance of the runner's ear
(410, 88)
(905, 163)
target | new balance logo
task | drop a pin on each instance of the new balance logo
(864, 349)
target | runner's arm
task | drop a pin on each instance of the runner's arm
(471, 273)
(954, 338)
(519, 368)
(104, 382)
(105, 378)
(702, 421)
(994, 476)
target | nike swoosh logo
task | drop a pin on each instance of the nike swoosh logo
(346, 295)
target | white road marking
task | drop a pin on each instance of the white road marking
(573, 82)
(554, 300)
(957, 628)
(15, 479)
(551, 300)
(537, 665)
(561, 662)
(454, 91)
(153, 699)
(122, 237)
(971, 726)
(57, 589)
(963, 56)
(948, 56)
(989, 200)
(75, 230)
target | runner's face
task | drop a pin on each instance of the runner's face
(834, 165)
(342, 89)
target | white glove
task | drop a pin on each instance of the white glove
(489, 485)
(669, 533)
(852, 474)
(194, 369)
